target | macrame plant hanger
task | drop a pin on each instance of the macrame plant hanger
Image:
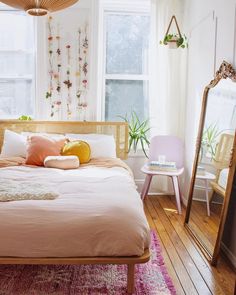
(174, 40)
(173, 19)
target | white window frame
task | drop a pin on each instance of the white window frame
(123, 7)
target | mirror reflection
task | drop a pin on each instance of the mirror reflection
(213, 163)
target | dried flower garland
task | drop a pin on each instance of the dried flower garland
(68, 82)
(49, 93)
(79, 69)
(57, 74)
(60, 69)
(54, 88)
(82, 71)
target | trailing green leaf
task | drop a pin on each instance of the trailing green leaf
(181, 41)
(25, 118)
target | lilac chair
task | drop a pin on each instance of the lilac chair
(173, 149)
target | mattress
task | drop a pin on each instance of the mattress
(223, 178)
(98, 213)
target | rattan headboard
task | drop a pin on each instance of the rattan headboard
(118, 129)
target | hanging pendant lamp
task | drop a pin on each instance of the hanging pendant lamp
(39, 7)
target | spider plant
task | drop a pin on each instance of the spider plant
(209, 139)
(138, 132)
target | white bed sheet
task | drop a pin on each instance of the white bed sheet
(98, 213)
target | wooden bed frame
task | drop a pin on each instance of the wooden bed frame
(120, 132)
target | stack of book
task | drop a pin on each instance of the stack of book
(158, 166)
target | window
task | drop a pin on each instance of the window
(17, 83)
(126, 65)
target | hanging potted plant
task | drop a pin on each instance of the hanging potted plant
(174, 40)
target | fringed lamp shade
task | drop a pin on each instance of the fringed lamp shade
(39, 7)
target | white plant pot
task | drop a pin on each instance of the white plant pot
(173, 45)
(136, 161)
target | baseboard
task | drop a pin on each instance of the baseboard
(140, 182)
(204, 201)
(230, 256)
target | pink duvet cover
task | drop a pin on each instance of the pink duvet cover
(98, 213)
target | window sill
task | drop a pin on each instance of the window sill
(137, 154)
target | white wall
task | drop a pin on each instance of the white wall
(211, 27)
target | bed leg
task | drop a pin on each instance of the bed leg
(130, 279)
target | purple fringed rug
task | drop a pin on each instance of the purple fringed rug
(151, 278)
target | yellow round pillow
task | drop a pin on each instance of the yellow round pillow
(79, 148)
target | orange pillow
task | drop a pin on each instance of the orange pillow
(40, 147)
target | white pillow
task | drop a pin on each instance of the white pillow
(102, 145)
(62, 162)
(14, 145)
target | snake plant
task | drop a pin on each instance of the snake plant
(209, 139)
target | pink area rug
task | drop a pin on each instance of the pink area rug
(151, 278)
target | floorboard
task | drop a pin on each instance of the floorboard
(168, 262)
(189, 269)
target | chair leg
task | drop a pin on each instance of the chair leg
(146, 186)
(207, 197)
(177, 193)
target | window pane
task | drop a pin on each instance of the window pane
(16, 31)
(17, 64)
(127, 44)
(124, 96)
(15, 98)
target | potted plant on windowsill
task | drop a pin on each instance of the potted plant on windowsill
(25, 118)
(138, 146)
(138, 133)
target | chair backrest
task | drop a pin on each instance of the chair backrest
(223, 152)
(171, 147)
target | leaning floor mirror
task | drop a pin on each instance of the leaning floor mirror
(214, 164)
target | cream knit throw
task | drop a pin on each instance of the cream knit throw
(11, 190)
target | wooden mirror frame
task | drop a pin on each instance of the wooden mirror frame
(226, 71)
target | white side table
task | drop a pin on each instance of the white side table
(206, 178)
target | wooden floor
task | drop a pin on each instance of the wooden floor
(199, 220)
(190, 271)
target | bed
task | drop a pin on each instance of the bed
(96, 206)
